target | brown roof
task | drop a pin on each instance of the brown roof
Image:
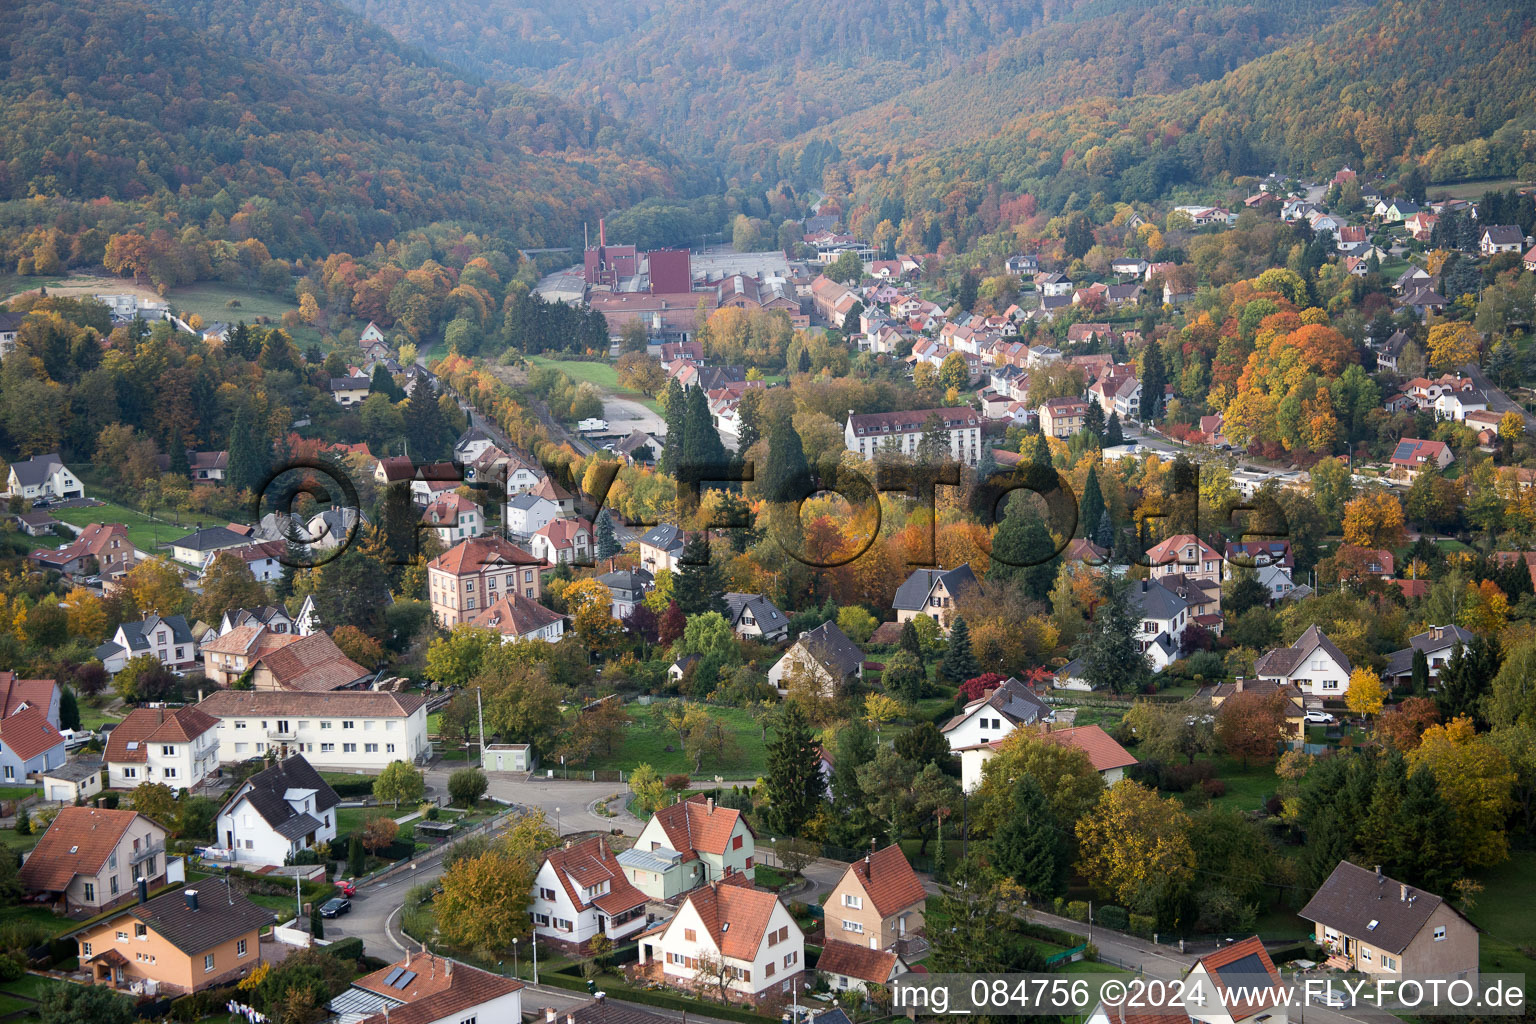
(698, 825)
(144, 726)
(1282, 661)
(441, 988)
(1363, 904)
(515, 615)
(28, 732)
(79, 841)
(363, 704)
(912, 420)
(608, 1011)
(1244, 967)
(588, 863)
(240, 640)
(37, 693)
(313, 663)
(471, 556)
(875, 966)
(888, 880)
(745, 909)
(1099, 745)
(1119, 1014)
(223, 914)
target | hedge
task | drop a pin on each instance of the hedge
(652, 997)
(345, 949)
(1143, 925)
(1112, 917)
(1046, 933)
(1077, 910)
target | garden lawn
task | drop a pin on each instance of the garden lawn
(44, 918)
(1247, 788)
(144, 533)
(602, 376)
(15, 842)
(210, 300)
(644, 743)
(1506, 912)
(18, 792)
(352, 819)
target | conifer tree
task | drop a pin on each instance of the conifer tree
(959, 660)
(704, 456)
(426, 431)
(787, 477)
(676, 404)
(793, 781)
(1114, 434)
(1092, 507)
(1154, 380)
(1026, 847)
(606, 543)
(698, 588)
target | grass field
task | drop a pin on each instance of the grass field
(210, 300)
(44, 918)
(644, 743)
(143, 532)
(600, 375)
(1247, 788)
(13, 284)
(1506, 912)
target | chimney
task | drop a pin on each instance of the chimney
(709, 804)
(1378, 870)
(143, 884)
(1238, 686)
(1402, 892)
(550, 1016)
(191, 898)
(600, 996)
(448, 968)
(570, 1018)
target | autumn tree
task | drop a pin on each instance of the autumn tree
(1134, 846)
(1066, 773)
(1475, 778)
(1452, 345)
(1365, 695)
(1401, 725)
(1374, 521)
(156, 586)
(399, 781)
(379, 832)
(1168, 731)
(227, 583)
(484, 901)
(1249, 725)
(359, 646)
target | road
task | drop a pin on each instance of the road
(625, 415)
(1498, 401)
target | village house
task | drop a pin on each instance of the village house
(1374, 924)
(518, 618)
(1236, 983)
(628, 588)
(90, 858)
(1457, 405)
(824, 656)
(72, 781)
(528, 513)
(1313, 664)
(475, 573)
(178, 747)
(454, 518)
(1437, 643)
(107, 544)
(349, 391)
(1108, 757)
(562, 540)
(995, 714)
(275, 814)
(1162, 617)
(230, 654)
(689, 844)
(1295, 706)
(1187, 555)
(181, 941)
(848, 967)
(42, 477)
(867, 434)
(425, 988)
(344, 729)
(727, 939)
(1413, 454)
(753, 616)
(199, 547)
(1497, 238)
(581, 892)
(934, 592)
(878, 903)
(169, 640)
(661, 547)
(311, 663)
(30, 741)
(1063, 417)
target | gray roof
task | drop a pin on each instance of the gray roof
(212, 538)
(1282, 661)
(1504, 234)
(75, 771)
(913, 592)
(636, 440)
(525, 501)
(1152, 600)
(1013, 700)
(1362, 904)
(666, 537)
(632, 582)
(181, 633)
(11, 321)
(36, 470)
(223, 914)
(767, 614)
(349, 383)
(830, 648)
(265, 792)
(1438, 638)
(659, 860)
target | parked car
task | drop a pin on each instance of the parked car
(335, 907)
(347, 888)
(1319, 718)
(1334, 997)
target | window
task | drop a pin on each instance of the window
(112, 861)
(347, 723)
(349, 748)
(170, 773)
(736, 843)
(169, 750)
(130, 773)
(749, 862)
(85, 950)
(113, 884)
(326, 725)
(1390, 963)
(389, 748)
(122, 936)
(689, 935)
(90, 892)
(1440, 933)
(768, 971)
(370, 748)
(546, 894)
(850, 900)
(149, 867)
(1365, 954)
(239, 725)
(327, 748)
(853, 926)
(140, 930)
(790, 959)
(240, 948)
(207, 963)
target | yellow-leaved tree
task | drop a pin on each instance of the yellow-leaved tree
(1452, 345)
(1374, 521)
(1365, 695)
(1133, 838)
(1475, 779)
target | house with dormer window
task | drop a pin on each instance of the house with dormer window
(727, 939)
(1313, 664)
(933, 592)
(1185, 554)
(177, 747)
(581, 892)
(277, 813)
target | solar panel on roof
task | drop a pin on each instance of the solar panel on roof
(1244, 970)
(389, 979)
(405, 979)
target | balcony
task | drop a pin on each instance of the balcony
(282, 735)
(152, 850)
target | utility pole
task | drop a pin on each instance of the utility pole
(480, 713)
(298, 900)
(533, 939)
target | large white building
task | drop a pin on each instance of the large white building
(178, 747)
(343, 729)
(870, 433)
(277, 813)
(42, 476)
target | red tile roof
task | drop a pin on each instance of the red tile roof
(79, 841)
(469, 557)
(144, 726)
(590, 863)
(37, 693)
(313, 663)
(875, 966)
(440, 989)
(698, 825)
(356, 703)
(515, 615)
(1246, 981)
(28, 733)
(736, 916)
(888, 880)
(1100, 747)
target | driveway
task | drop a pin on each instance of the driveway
(625, 415)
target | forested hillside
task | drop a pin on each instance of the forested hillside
(732, 80)
(1446, 88)
(294, 123)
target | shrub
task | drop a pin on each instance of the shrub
(1111, 917)
(1142, 924)
(1273, 806)
(345, 949)
(466, 786)
(23, 822)
(677, 783)
(1077, 910)
(12, 967)
(1213, 787)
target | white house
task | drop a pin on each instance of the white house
(350, 730)
(1438, 643)
(1109, 758)
(868, 434)
(825, 654)
(454, 517)
(517, 618)
(179, 748)
(729, 937)
(428, 989)
(199, 547)
(276, 813)
(42, 476)
(169, 639)
(995, 714)
(580, 892)
(753, 616)
(852, 966)
(1454, 405)
(660, 548)
(1313, 664)
(562, 540)
(527, 514)
(1162, 618)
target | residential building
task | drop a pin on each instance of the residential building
(528, 513)
(425, 988)
(107, 544)
(1162, 616)
(868, 434)
(1497, 238)
(90, 858)
(824, 656)
(178, 747)
(275, 814)
(1295, 705)
(198, 547)
(581, 892)
(351, 730)
(1109, 758)
(848, 967)
(474, 574)
(1187, 555)
(1054, 285)
(350, 391)
(878, 902)
(934, 592)
(72, 781)
(518, 618)
(1413, 454)
(563, 540)
(181, 941)
(1063, 417)
(995, 714)
(1371, 923)
(169, 640)
(1458, 405)
(747, 932)
(661, 547)
(689, 844)
(273, 617)
(229, 656)
(628, 587)
(30, 744)
(455, 518)
(310, 663)
(563, 499)
(1313, 663)
(10, 324)
(753, 616)
(1236, 983)
(42, 477)
(1438, 644)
